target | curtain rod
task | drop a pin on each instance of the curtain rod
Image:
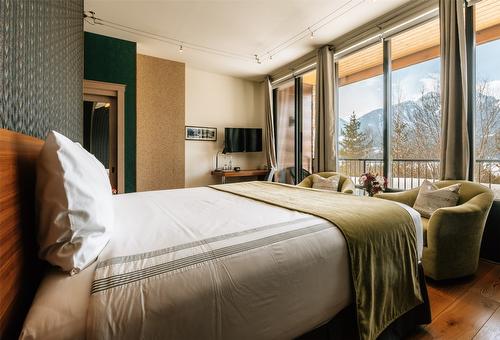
(398, 28)
(293, 74)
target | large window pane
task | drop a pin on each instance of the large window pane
(487, 120)
(308, 120)
(415, 145)
(360, 100)
(285, 133)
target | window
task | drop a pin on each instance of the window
(416, 112)
(413, 150)
(360, 109)
(487, 110)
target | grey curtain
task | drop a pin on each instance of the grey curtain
(325, 152)
(454, 136)
(270, 142)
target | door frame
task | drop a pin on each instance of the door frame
(117, 91)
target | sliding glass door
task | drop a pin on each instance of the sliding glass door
(295, 117)
(284, 99)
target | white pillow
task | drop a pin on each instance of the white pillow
(430, 198)
(329, 183)
(74, 204)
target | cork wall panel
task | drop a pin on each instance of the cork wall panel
(160, 123)
(41, 67)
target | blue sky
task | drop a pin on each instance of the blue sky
(367, 95)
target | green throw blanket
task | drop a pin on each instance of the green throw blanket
(381, 240)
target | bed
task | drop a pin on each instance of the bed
(193, 261)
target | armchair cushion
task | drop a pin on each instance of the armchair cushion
(326, 183)
(430, 198)
(348, 187)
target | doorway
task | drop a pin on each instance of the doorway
(103, 135)
(99, 132)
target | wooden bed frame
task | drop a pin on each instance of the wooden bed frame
(20, 269)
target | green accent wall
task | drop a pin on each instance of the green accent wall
(114, 61)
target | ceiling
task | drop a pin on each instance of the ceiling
(242, 27)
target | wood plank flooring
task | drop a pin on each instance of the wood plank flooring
(466, 308)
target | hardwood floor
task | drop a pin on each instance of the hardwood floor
(466, 308)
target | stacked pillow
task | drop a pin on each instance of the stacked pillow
(74, 204)
(329, 183)
(430, 198)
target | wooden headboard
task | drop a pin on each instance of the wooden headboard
(20, 270)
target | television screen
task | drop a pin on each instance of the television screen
(242, 140)
(234, 140)
(253, 140)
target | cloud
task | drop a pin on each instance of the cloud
(361, 97)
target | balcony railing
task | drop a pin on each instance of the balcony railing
(410, 173)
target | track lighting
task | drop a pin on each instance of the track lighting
(311, 36)
(90, 18)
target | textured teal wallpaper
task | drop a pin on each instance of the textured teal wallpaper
(41, 67)
(114, 61)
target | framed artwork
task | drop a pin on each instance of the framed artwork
(201, 133)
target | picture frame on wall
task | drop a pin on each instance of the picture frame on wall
(201, 133)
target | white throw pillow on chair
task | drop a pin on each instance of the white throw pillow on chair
(430, 198)
(74, 204)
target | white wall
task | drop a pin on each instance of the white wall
(219, 101)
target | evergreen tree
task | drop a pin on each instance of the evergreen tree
(355, 143)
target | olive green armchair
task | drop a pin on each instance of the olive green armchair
(346, 185)
(452, 235)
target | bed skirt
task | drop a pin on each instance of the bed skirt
(343, 325)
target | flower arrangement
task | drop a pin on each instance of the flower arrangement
(373, 183)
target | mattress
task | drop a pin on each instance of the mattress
(190, 262)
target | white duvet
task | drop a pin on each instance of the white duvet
(201, 263)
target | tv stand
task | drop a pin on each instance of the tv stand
(223, 174)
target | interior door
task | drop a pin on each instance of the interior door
(100, 132)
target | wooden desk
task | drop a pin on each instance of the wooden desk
(242, 173)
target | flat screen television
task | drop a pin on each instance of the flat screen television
(242, 140)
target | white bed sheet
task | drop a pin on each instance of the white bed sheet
(303, 283)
